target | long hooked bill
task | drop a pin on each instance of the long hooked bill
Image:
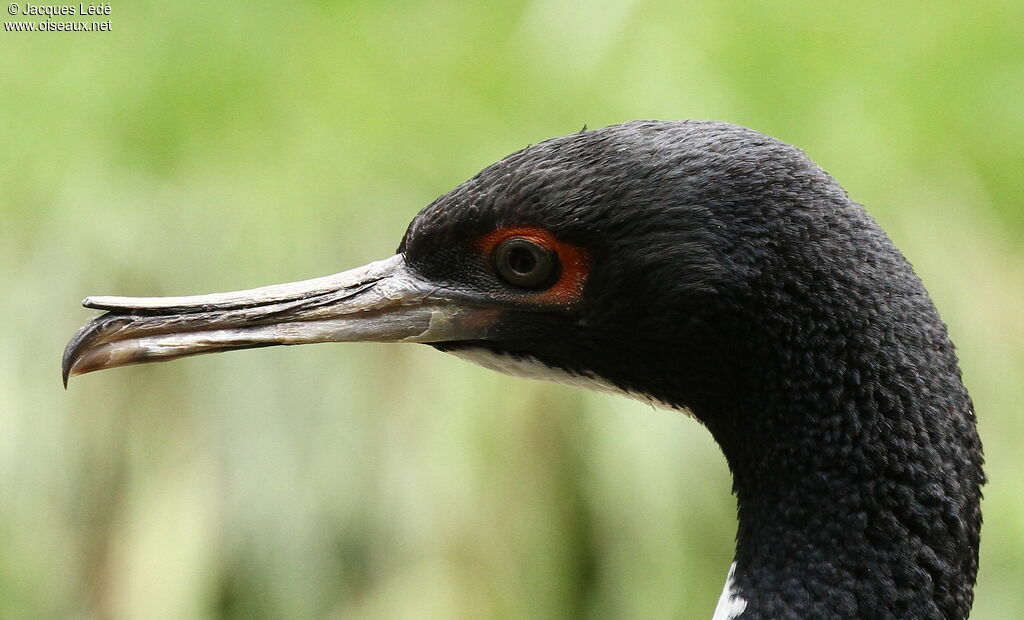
(380, 302)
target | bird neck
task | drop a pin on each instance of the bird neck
(857, 479)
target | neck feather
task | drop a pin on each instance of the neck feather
(857, 471)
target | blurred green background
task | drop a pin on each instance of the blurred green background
(213, 146)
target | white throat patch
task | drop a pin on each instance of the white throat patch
(529, 367)
(730, 604)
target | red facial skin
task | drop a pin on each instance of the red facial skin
(567, 292)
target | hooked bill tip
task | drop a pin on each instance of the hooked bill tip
(67, 362)
(79, 345)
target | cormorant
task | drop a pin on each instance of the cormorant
(709, 268)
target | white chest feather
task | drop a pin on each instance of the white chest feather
(730, 604)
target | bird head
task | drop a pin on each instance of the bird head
(629, 258)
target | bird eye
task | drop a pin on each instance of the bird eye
(525, 263)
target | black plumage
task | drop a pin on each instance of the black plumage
(733, 276)
(725, 273)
